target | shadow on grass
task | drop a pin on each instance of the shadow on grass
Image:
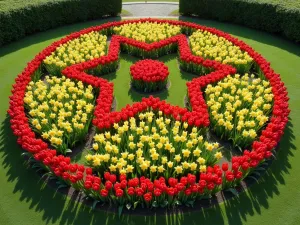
(55, 208)
(258, 194)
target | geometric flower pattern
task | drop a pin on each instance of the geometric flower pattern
(104, 118)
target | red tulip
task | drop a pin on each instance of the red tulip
(148, 197)
(119, 193)
(104, 193)
(225, 167)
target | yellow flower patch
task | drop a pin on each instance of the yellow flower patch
(239, 107)
(82, 49)
(60, 110)
(148, 32)
(155, 144)
(210, 46)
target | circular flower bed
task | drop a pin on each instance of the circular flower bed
(150, 153)
(149, 75)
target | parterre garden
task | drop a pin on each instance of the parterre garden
(67, 112)
(150, 153)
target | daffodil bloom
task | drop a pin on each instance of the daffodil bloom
(197, 152)
(161, 169)
(159, 145)
(45, 135)
(185, 165)
(218, 155)
(193, 166)
(186, 153)
(96, 162)
(131, 156)
(89, 157)
(131, 145)
(164, 160)
(170, 164)
(139, 153)
(124, 155)
(153, 169)
(95, 146)
(209, 146)
(112, 168)
(202, 168)
(154, 156)
(144, 166)
(201, 160)
(129, 169)
(178, 169)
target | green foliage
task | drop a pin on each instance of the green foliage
(19, 18)
(276, 16)
(148, 87)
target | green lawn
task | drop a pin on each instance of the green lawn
(275, 200)
(174, 13)
(125, 13)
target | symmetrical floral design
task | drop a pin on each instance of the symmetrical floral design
(149, 75)
(146, 190)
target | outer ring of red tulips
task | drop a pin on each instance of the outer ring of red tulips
(83, 177)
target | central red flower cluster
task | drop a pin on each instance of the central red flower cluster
(149, 70)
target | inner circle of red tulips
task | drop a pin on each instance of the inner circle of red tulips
(74, 173)
(149, 70)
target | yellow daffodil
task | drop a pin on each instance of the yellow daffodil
(178, 169)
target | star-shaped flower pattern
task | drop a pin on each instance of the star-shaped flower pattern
(198, 116)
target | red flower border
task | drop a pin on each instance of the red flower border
(79, 175)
